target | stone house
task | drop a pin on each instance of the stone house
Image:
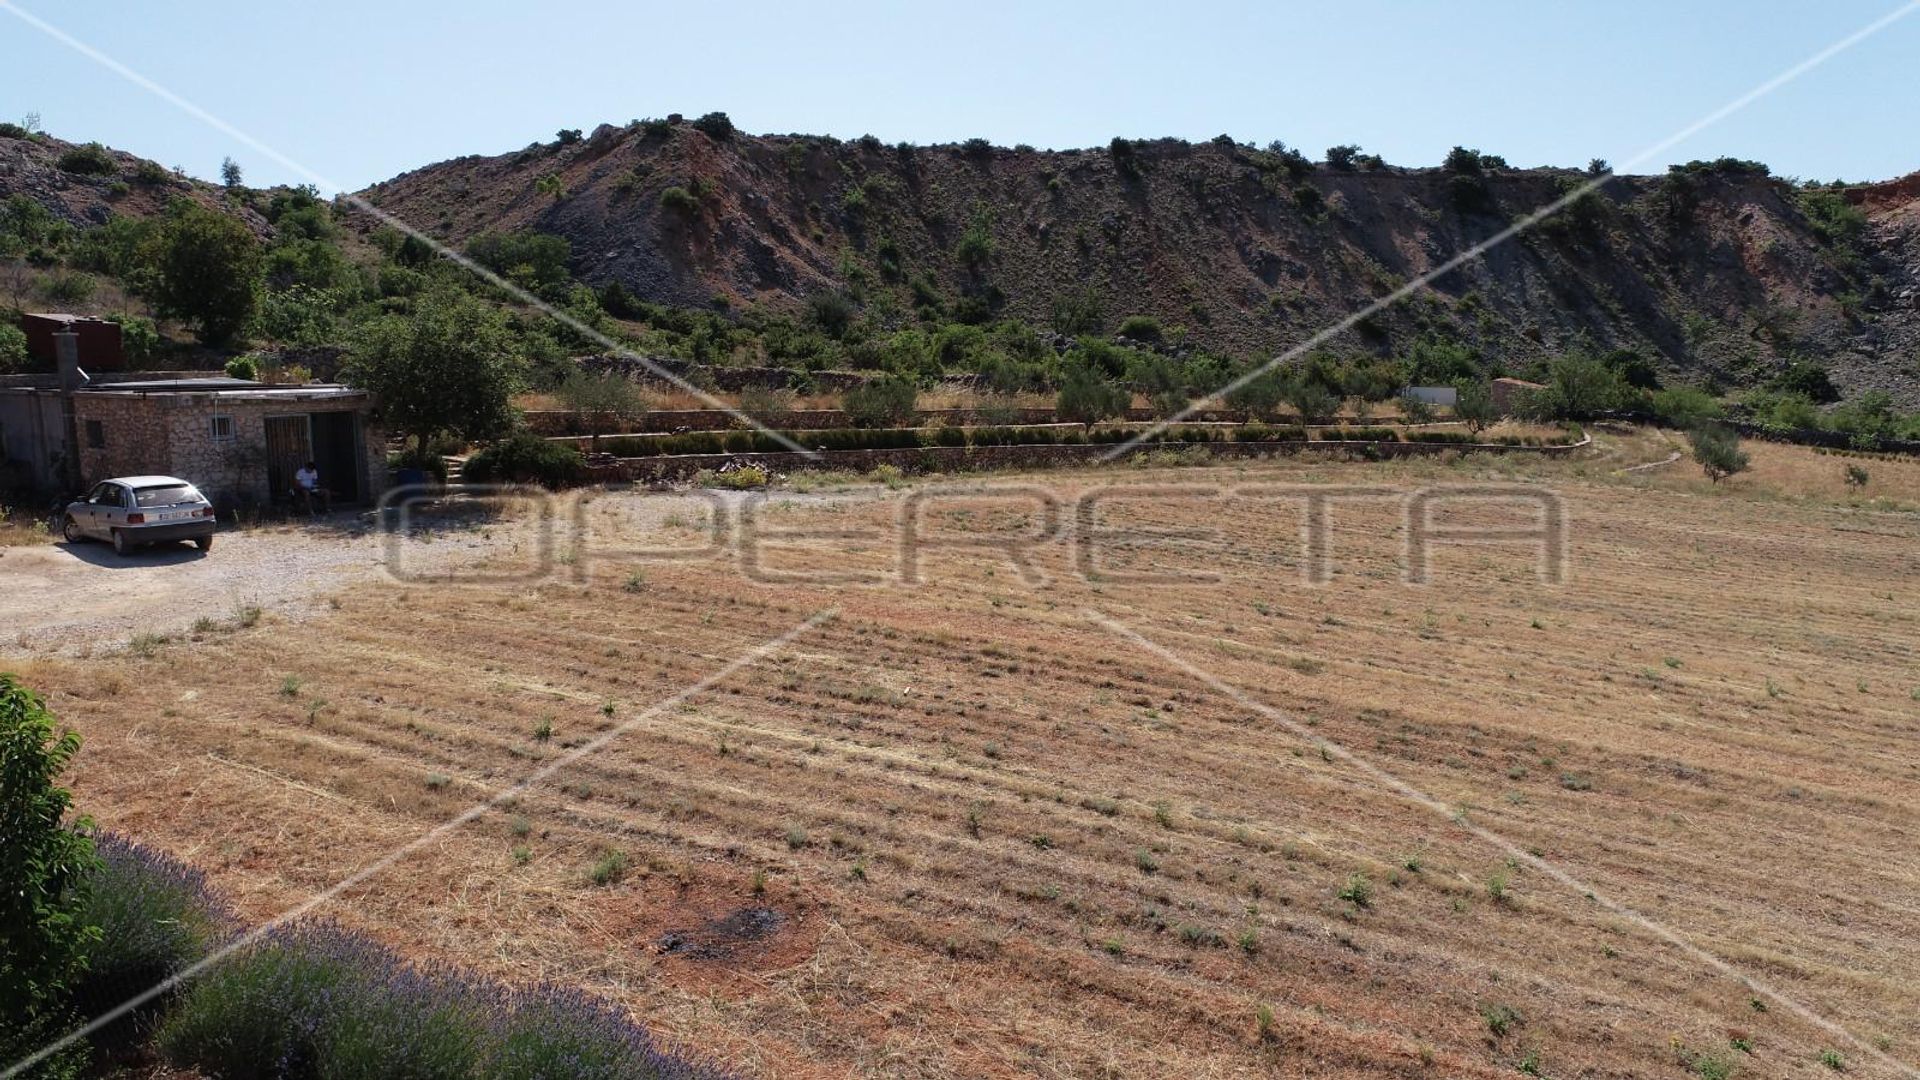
(238, 441)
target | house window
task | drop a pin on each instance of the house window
(221, 428)
(96, 435)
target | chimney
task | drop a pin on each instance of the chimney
(66, 352)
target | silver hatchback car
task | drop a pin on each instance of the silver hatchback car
(134, 510)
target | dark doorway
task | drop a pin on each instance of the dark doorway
(337, 451)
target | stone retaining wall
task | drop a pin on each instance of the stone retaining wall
(965, 458)
(663, 421)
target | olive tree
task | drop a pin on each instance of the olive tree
(1473, 405)
(1717, 449)
(605, 400)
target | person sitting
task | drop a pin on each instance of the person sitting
(307, 490)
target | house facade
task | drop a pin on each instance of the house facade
(238, 441)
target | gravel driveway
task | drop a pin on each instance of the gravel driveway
(67, 598)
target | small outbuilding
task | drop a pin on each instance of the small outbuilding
(238, 441)
(1507, 393)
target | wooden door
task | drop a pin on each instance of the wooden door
(289, 446)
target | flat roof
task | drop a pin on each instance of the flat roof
(226, 390)
(212, 388)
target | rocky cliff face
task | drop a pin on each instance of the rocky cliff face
(1720, 277)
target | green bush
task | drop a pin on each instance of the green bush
(715, 125)
(244, 367)
(1141, 328)
(46, 863)
(525, 458)
(1427, 436)
(680, 201)
(746, 478)
(156, 918)
(89, 160)
(879, 402)
(1685, 407)
(13, 348)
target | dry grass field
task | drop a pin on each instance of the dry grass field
(966, 828)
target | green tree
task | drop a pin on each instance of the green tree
(605, 400)
(230, 174)
(45, 864)
(1086, 398)
(1580, 386)
(1717, 448)
(1311, 399)
(207, 270)
(1260, 396)
(449, 367)
(887, 401)
(1473, 405)
(532, 260)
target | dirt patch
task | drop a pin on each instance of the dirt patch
(724, 937)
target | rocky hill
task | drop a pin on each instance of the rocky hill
(89, 184)
(1720, 273)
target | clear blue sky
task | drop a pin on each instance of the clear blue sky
(359, 91)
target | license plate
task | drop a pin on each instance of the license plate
(177, 515)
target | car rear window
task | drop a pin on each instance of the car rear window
(165, 495)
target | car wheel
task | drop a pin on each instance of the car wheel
(204, 543)
(71, 530)
(121, 545)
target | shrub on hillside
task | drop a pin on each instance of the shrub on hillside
(525, 458)
(89, 160)
(715, 125)
(679, 200)
(1685, 407)
(1141, 328)
(887, 400)
(1808, 379)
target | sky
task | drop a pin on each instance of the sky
(349, 92)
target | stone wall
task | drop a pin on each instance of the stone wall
(963, 458)
(136, 437)
(561, 422)
(173, 434)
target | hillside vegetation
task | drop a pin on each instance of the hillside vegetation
(1162, 264)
